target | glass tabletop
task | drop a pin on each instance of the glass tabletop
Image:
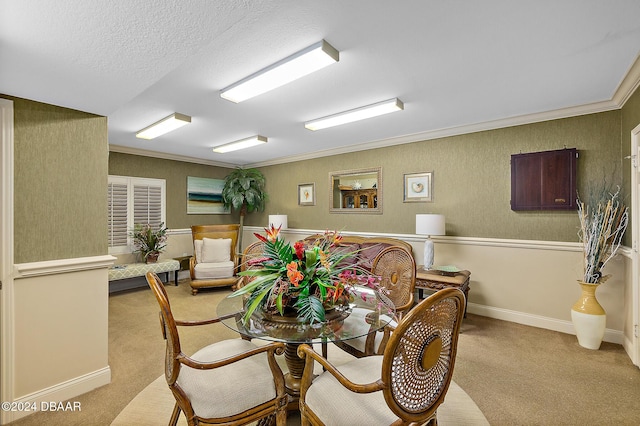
(364, 315)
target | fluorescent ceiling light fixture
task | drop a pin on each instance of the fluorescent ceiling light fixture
(167, 124)
(241, 144)
(374, 110)
(306, 61)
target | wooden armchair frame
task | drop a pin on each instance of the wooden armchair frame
(397, 269)
(198, 232)
(415, 370)
(175, 360)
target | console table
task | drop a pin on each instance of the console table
(429, 279)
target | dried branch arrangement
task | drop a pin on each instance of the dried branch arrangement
(603, 221)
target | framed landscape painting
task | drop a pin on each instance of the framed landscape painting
(204, 196)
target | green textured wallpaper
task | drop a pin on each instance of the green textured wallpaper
(60, 182)
(175, 173)
(630, 119)
(471, 180)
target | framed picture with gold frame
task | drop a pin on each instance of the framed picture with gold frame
(418, 187)
(307, 194)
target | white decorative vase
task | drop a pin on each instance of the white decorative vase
(588, 316)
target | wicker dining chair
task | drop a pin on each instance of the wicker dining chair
(397, 270)
(405, 386)
(252, 251)
(231, 382)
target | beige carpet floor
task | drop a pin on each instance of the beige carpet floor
(517, 375)
(154, 404)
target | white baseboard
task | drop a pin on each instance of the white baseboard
(61, 392)
(612, 336)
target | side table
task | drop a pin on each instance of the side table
(184, 262)
(429, 279)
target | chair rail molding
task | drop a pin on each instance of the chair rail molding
(61, 266)
(542, 267)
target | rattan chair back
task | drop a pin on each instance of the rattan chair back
(414, 376)
(252, 251)
(420, 356)
(397, 270)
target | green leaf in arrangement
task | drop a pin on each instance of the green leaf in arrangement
(302, 276)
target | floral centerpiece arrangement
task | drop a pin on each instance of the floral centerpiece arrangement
(603, 221)
(305, 280)
(149, 242)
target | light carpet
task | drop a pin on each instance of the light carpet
(154, 404)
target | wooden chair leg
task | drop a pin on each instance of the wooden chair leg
(174, 415)
(324, 353)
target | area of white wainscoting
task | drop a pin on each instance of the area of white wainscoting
(60, 328)
(523, 281)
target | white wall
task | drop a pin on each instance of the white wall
(61, 319)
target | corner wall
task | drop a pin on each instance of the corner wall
(58, 295)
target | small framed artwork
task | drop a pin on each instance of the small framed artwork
(307, 194)
(418, 187)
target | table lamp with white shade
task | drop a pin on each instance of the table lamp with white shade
(278, 220)
(429, 224)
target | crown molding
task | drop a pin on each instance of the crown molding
(451, 131)
(166, 156)
(628, 85)
(623, 92)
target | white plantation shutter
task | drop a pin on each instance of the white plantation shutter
(117, 217)
(133, 201)
(147, 205)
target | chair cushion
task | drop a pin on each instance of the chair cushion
(216, 250)
(369, 252)
(230, 389)
(345, 249)
(214, 270)
(356, 322)
(326, 394)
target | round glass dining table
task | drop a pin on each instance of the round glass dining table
(365, 314)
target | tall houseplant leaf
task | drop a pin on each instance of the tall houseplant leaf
(244, 190)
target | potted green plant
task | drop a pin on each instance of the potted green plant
(307, 281)
(149, 242)
(603, 221)
(244, 190)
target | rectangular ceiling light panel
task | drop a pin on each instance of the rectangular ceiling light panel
(167, 124)
(313, 58)
(241, 144)
(374, 110)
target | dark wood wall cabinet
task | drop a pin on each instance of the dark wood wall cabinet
(544, 180)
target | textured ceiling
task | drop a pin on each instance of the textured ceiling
(454, 64)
